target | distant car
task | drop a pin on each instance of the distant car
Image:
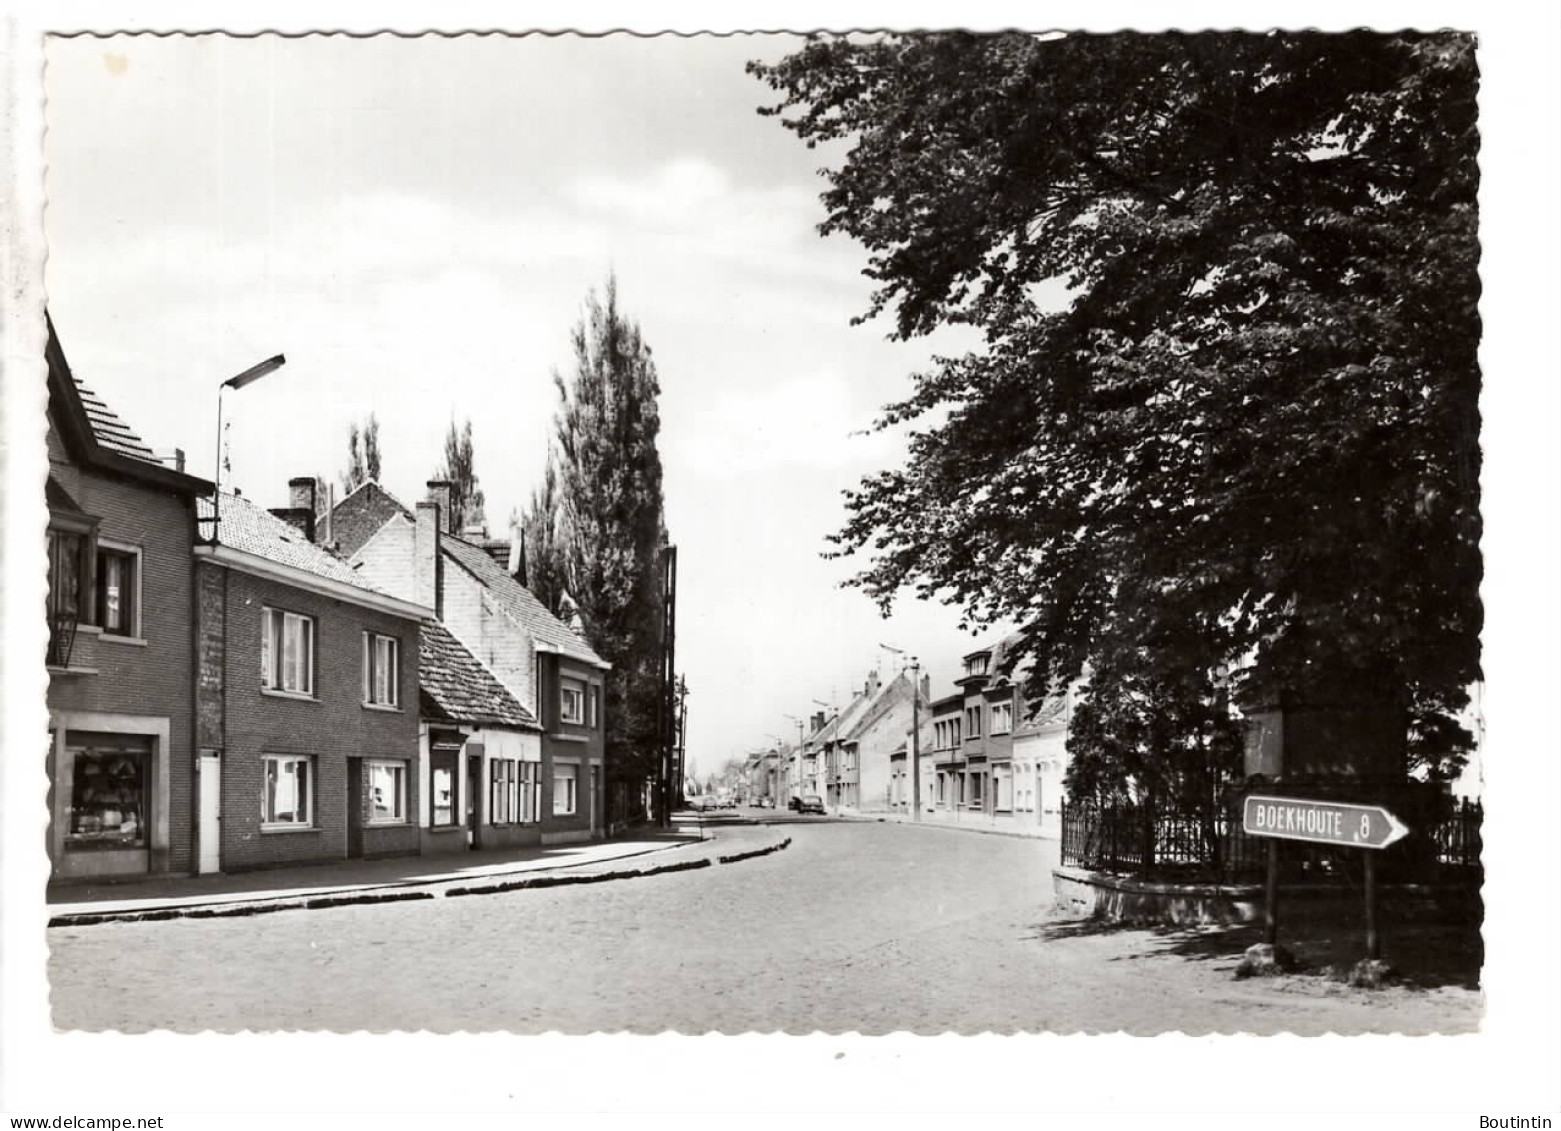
(794, 803)
(812, 803)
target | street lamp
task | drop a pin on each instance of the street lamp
(915, 747)
(249, 376)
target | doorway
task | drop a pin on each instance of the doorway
(209, 859)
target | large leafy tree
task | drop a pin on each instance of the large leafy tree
(608, 523)
(459, 469)
(1225, 412)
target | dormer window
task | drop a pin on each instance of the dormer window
(977, 664)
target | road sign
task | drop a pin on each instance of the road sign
(1321, 822)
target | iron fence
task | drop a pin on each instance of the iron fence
(1457, 835)
(1213, 846)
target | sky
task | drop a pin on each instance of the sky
(416, 225)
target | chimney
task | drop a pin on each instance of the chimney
(926, 689)
(425, 556)
(872, 684)
(517, 553)
(439, 493)
(300, 504)
(818, 721)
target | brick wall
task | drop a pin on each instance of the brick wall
(155, 678)
(331, 727)
(580, 745)
(385, 560)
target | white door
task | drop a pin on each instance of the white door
(211, 814)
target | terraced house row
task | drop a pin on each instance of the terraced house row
(232, 687)
(984, 755)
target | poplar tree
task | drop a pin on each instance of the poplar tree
(459, 469)
(363, 461)
(609, 528)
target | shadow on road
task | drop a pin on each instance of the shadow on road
(1423, 955)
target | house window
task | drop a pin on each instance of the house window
(287, 652)
(289, 791)
(69, 588)
(975, 789)
(381, 670)
(1002, 718)
(973, 722)
(1002, 792)
(118, 591)
(571, 701)
(503, 792)
(564, 790)
(593, 706)
(387, 793)
(109, 791)
(530, 791)
(441, 764)
(977, 665)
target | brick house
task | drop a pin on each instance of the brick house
(306, 697)
(545, 665)
(868, 742)
(948, 753)
(997, 758)
(481, 780)
(120, 746)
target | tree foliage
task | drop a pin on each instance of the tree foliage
(542, 538)
(363, 461)
(607, 520)
(459, 469)
(1225, 412)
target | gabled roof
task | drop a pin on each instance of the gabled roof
(999, 651)
(897, 689)
(454, 686)
(96, 436)
(360, 515)
(517, 601)
(252, 538)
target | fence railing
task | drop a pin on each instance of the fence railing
(1213, 846)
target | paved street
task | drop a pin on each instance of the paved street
(857, 926)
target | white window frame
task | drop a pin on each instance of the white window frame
(504, 799)
(571, 692)
(268, 819)
(530, 776)
(273, 652)
(375, 680)
(134, 630)
(1002, 718)
(593, 705)
(565, 774)
(399, 769)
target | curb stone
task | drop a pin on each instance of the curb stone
(238, 910)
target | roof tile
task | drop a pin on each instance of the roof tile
(455, 685)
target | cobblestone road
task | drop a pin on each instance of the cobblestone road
(858, 926)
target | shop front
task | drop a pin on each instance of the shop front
(109, 785)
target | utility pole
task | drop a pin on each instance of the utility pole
(669, 574)
(914, 750)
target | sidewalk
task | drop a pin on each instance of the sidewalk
(1022, 826)
(693, 841)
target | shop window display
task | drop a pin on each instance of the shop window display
(109, 788)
